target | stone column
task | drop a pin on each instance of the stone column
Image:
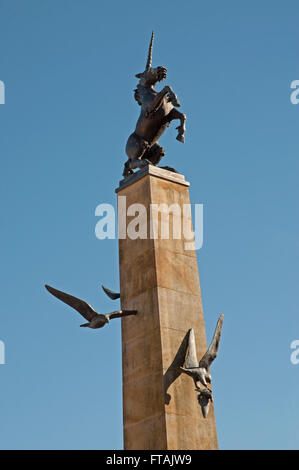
(159, 278)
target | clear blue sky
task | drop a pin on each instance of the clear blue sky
(68, 65)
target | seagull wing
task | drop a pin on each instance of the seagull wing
(191, 357)
(82, 307)
(212, 351)
(110, 293)
(121, 313)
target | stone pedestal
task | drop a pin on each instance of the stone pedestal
(159, 278)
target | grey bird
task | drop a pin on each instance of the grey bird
(200, 371)
(110, 293)
(204, 398)
(95, 320)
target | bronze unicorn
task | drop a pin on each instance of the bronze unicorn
(158, 109)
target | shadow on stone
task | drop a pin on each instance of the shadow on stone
(173, 370)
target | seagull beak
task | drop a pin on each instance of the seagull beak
(205, 410)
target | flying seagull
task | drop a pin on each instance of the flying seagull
(110, 293)
(200, 371)
(95, 320)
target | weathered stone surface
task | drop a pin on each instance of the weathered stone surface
(160, 279)
(155, 171)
